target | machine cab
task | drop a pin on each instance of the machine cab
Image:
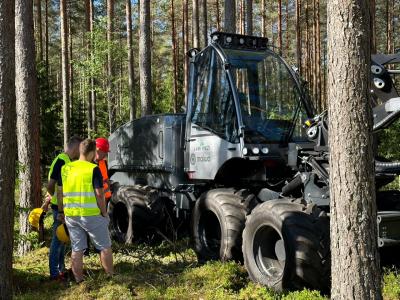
(244, 104)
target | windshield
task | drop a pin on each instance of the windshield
(269, 97)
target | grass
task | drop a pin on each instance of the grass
(155, 272)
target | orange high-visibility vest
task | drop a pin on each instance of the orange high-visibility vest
(104, 173)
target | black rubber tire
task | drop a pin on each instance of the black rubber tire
(132, 210)
(286, 245)
(217, 224)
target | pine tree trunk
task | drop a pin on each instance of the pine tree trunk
(89, 119)
(72, 116)
(287, 32)
(318, 56)
(298, 36)
(280, 25)
(64, 69)
(373, 27)
(230, 16)
(355, 262)
(131, 74)
(195, 24)
(8, 146)
(263, 19)
(27, 118)
(92, 79)
(174, 58)
(204, 30)
(111, 99)
(46, 34)
(39, 39)
(145, 58)
(249, 17)
(185, 35)
(218, 12)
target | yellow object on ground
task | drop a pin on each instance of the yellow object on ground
(63, 234)
(36, 216)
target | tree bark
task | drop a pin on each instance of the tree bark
(92, 79)
(111, 99)
(195, 24)
(174, 58)
(218, 12)
(145, 58)
(249, 17)
(65, 69)
(27, 117)
(46, 35)
(132, 103)
(39, 39)
(204, 29)
(298, 36)
(280, 25)
(89, 119)
(7, 145)
(185, 35)
(373, 27)
(263, 19)
(230, 16)
(355, 263)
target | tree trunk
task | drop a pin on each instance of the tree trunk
(132, 103)
(7, 145)
(263, 19)
(280, 25)
(195, 24)
(230, 16)
(204, 30)
(46, 34)
(72, 116)
(145, 58)
(298, 36)
(185, 35)
(175, 75)
(111, 99)
(318, 57)
(287, 33)
(39, 39)
(27, 118)
(373, 27)
(217, 9)
(64, 68)
(249, 17)
(89, 119)
(92, 79)
(355, 264)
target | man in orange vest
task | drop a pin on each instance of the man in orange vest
(102, 149)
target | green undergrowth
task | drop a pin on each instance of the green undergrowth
(144, 272)
(161, 271)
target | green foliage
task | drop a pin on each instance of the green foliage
(391, 285)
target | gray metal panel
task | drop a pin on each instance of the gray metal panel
(149, 148)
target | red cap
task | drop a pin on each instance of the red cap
(102, 144)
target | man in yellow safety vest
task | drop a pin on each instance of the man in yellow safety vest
(81, 200)
(57, 251)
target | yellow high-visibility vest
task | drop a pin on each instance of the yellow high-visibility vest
(79, 198)
(66, 159)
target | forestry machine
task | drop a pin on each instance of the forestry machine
(245, 169)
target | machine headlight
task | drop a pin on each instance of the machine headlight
(256, 150)
(265, 150)
(245, 151)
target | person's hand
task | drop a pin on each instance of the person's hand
(105, 215)
(46, 203)
(61, 217)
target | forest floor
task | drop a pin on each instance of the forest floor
(162, 271)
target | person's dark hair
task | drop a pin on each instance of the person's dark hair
(74, 140)
(87, 146)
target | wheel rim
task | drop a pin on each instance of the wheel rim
(120, 219)
(210, 232)
(269, 252)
